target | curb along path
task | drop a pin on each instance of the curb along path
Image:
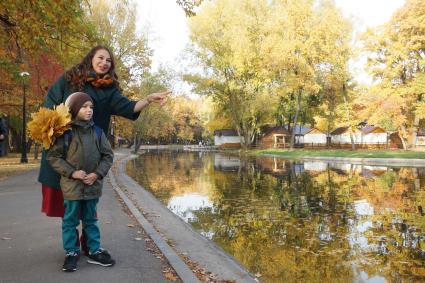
(357, 160)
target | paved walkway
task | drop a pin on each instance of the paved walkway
(31, 246)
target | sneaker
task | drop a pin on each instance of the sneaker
(70, 264)
(101, 257)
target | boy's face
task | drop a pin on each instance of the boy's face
(86, 111)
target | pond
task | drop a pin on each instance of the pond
(293, 221)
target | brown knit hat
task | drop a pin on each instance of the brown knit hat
(75, 101)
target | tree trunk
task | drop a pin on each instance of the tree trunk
(136, 143)
(246, 139)
(414, 131)
(36, 147)
(344, 91)
(353, 145)
(297, 112)
(289, 123)
(247, 135)
(403, 141)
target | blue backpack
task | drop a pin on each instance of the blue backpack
(68, 135)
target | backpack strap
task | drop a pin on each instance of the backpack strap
(67, 138)
(98, 132)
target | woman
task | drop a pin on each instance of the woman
(96, 76)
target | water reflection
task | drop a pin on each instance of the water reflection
(298, 221)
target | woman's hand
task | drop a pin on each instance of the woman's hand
(158, 97)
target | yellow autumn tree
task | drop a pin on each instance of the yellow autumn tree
(227, 38)
(396, 61)
(307, 52)
(259, 54)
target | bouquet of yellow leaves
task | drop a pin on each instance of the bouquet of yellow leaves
(48, 124)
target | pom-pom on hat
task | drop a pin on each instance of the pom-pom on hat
(75, 101)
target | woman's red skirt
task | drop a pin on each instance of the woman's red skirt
(52, 204)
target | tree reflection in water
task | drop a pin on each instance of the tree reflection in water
(298, 221)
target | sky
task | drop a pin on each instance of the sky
(167, 30)
(165, 24)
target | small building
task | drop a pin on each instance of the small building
(368, 136)
(373, 135)
(315, 137)
(395, 141)
(341, 135)
(300, 131)
(420, 137)
(274, 136)
(227, 138)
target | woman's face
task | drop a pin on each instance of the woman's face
(101, 62)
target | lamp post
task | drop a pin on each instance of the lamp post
(111, 136)
(24, 159)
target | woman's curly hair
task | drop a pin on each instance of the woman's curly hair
(77, 75)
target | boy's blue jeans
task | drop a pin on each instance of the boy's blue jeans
(86, 211)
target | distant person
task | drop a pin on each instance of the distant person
(82, 159)
(121, 141)
(94, 75)
(3, 133)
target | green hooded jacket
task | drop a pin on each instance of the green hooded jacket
(107, 101)
(85, 152)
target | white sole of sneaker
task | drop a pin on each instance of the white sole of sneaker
(69, 270)
(99, 263)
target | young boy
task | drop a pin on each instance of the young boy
(82, 158)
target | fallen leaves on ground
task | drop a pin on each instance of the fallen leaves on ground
(170, 276)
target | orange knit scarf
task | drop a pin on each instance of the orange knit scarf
(97, 81)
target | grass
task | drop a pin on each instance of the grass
(298, 153)
(11, 165)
